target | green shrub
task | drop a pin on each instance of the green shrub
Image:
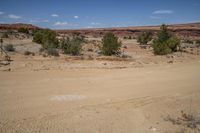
(198, 42)
(47, 38)
(144, 38)
(173, 43)
(23, 30)
(72, 46)
(111, 45)
(164, 34)
(161, 48)
(9, 48)
(5, 35)
(37, 37)
(52, 52)
(166, 42)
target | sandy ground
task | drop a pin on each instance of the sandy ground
(63, 95)
(98, 100)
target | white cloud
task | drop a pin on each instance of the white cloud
(163, 12)
(88, 27)
(55, 15)
(61, 23)
(12, 16)
(45, 21)
(39, 21)
(1, 13)
(94, 23)
(76, 17)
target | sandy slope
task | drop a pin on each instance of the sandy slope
(98, 100)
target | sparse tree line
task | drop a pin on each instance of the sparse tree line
(73, 46)
(165, 42)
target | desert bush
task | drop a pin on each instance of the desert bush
(72, 46)
(166, 42)
(23, 30)
(52, 52)
(37, 37)
(5, 35)
(47, 38)
(173, 43)
(144, 38)
(111, 45)
(161, 48)
(9, 48)
(198, 42)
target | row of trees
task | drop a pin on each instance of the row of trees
(47, 38)
(164, 43)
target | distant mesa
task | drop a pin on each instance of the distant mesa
(188, 30)
(18, 26)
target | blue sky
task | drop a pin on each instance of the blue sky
(72, 14)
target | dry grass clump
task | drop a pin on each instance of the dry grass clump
(187, 120)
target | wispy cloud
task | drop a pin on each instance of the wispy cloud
(163, 12)
(1, 13)
(39, 21)
(12, 16)
(88, 27)
(60, 23)
(76, 17)
(94, 23)
(54, 15)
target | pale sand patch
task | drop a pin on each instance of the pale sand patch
(67, 97)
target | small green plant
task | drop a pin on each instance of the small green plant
(72, 46)
(173, 43)
(37, 37)
(47, 38)
(198, 42)
(23, 30)
(5, 35)
(52, 52)
(144, 38)
(111, 45)
(166, 42)
(9, 48)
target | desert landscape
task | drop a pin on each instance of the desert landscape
(134, 79)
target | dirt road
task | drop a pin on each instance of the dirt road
(98, 100)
